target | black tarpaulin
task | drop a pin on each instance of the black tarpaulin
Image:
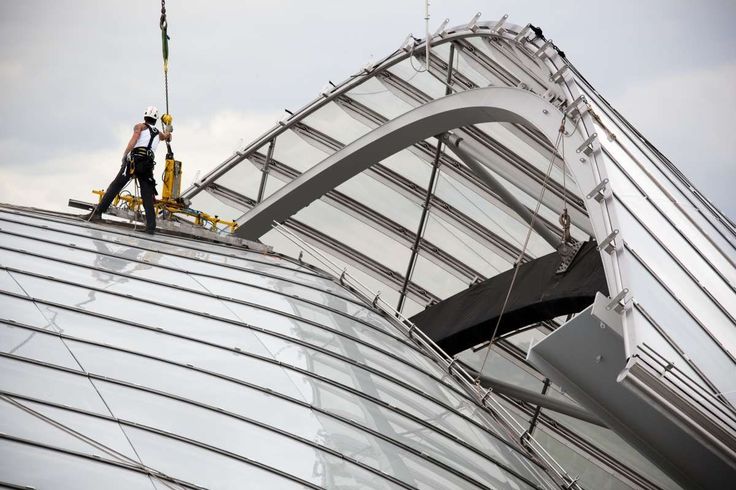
(469, 317)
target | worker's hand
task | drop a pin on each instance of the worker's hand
(167, 136)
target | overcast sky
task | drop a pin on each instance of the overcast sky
(76, 75)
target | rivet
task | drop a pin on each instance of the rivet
(545, 111)
(598, 358)
(582, 160)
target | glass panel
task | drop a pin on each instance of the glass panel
(433, 278)
(45, 383)
(575, 463)
(410, 70)
(201, 466)
(139, 312)
(115, 283)
(508, 136)
(354, 234)
(611, 443)
(681, 328)
(507, 226)
(683, 199)
(243, 178)
(335, 122)
(507, 66)
(128, 260)
(29, 424)
(218, 206)
(411, 164)
(379, 98)
(463, 247)
(6, 280)
(498, 366)
(460, 65)
(288, 300)
(35, 345)
(383, 200)
(275, 412)
(36, 467)
(392, 424)
(643, 208)
(22, 311)
(228, 433)
(118, 241)
(229, 363)
(295, 152)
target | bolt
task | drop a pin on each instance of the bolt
(545, 111)
(598, 358)
(582, 160)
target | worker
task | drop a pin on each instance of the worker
(138, 163)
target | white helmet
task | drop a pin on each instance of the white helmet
(151, 111)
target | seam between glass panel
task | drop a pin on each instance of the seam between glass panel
(587, 449)
(668, 220)
(256, 306)
(90, 457)
(262, 330)
(196, 259)
(268, 391)
(191, 242)
(682, 305)
(200, 274)
(153, 430)
(116, 231)
(217, 410)
(290, 367)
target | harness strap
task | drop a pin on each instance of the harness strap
(154, 133)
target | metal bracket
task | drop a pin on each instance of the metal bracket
(608, 244)
(521, 36)
(498, 27)
(442, 29)
(541, 52)
(599, 192)
(408, 43)
(567, 252)
(342, 276)
(575, 106)
(619, 302)
(473, 24)
(375, 300)
(559, 75)
(587, 146)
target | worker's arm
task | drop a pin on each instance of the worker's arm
(136, 134)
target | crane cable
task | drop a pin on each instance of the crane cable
(166, 119)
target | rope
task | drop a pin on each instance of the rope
(526, 243)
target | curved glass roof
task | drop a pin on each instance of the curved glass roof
(200, 365)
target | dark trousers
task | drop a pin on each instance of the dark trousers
(148, 191)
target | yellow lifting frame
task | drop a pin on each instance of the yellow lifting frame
(173, 207)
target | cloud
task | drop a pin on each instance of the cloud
(690, 114)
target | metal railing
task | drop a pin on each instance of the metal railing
(484, 397)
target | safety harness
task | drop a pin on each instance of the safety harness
(141, 159)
